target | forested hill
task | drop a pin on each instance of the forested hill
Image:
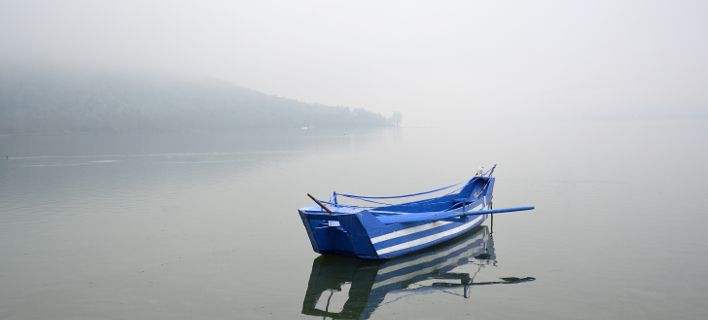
(46, 102)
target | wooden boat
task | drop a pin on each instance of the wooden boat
(350, 288)
(388, 231)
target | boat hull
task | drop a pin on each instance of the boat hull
(363, 235)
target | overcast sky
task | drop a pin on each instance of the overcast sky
(438, 62)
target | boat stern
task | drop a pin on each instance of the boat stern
(345, 234)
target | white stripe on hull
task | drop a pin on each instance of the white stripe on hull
(428, 239)
(405, 232)
(412, 230)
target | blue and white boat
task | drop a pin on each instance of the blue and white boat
(387, 231)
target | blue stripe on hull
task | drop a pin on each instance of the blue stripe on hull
(422, 240)
(352, 235)
(409, 231)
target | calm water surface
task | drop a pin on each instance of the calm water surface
(204, 225)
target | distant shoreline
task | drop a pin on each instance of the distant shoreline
(194, 131)
(53, 102)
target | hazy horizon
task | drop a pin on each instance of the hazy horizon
(450, 63)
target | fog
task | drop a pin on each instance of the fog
(439, 63)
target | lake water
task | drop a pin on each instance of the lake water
(205, 225)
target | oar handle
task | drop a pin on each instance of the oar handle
(490, 172)
(321, 205)
(493, 211)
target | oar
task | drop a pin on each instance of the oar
(490, 172)
(493, 211)
(434, 216)
(321, 205)
(486, 183)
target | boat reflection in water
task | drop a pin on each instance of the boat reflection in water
(368, 282)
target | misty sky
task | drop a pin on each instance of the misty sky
(438, 62)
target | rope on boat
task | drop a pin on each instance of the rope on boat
(371, 201)
(394, 197)
(427, 201)
(366, 199)
(409, 195)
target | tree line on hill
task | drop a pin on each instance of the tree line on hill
(51, 102)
